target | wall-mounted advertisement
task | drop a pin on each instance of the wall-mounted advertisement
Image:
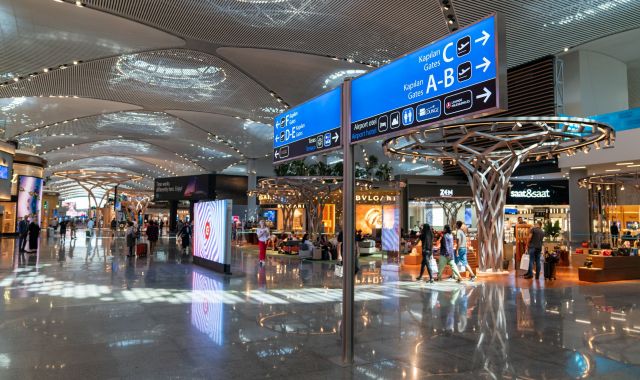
(212, 234)
(184, 188)
(29, 196)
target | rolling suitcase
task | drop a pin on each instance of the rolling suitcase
(549, 270)
(141, 249)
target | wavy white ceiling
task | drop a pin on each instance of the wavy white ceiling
(180, 87)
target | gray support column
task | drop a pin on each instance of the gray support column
(173, 215)
(348, 233)
(252, 204)
(578, 209)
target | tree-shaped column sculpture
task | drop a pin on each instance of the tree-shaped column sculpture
(488, 151)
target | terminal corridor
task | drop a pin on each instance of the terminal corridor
(82, 307)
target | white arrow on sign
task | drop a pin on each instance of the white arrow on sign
(485, 95)
(336, 137)
(276, 154)
(484, 65)
(484, 38)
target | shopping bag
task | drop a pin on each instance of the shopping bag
(433, 265)
(339, 270)
(524, 262)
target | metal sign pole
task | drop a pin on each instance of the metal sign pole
(348, 227)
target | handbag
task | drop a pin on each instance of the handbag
(524, 262)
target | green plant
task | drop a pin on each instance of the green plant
(552, 230)
(383, 172)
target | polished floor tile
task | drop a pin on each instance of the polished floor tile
(81, 309)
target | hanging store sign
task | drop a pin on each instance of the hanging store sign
(538, 193)
(458, 76)
(375, 198)
(310, 128)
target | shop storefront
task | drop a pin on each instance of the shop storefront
(533, 201)
(26, 183)
(426, 202)
(7, 207)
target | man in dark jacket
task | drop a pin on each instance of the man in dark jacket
(152, 234)
(23, 232)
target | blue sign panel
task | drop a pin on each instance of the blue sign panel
(310, 128)
(454, 77)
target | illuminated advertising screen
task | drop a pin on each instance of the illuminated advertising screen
(368, 218)
(29, 196)
(207, 309)
(4, 172)
(212, 234)
(390, 228)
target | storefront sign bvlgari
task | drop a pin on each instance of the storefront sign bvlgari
(530, 193)
(371, 198)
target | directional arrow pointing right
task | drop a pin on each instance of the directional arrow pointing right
(484, 65)
(485, 95)
(484, 38)
(336, 137)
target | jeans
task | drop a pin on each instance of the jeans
(443, 262)
(22, 242)
(426, 256)
(534, 255)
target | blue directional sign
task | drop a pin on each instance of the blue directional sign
(460, 75)
(310, 128)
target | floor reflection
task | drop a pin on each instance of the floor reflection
(93, 309)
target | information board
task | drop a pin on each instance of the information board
(310, 128)
(460, 75)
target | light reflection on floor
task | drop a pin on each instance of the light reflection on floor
(80, 309)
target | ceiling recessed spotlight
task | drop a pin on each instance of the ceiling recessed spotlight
(566, 49)
(578, 167)
(613, 170)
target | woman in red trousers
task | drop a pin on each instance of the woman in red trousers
(263, 236)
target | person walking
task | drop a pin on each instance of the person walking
(263, 236)
(447, 255)
(23, 232)
(185, 236)
(536, 239)
(152, 234)
(461, 253)
(161, 227)
(63, 230)
(34, 234)
(131, 238)
(114, 227)
(73, 229)
(90, 225)
(426, 237)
